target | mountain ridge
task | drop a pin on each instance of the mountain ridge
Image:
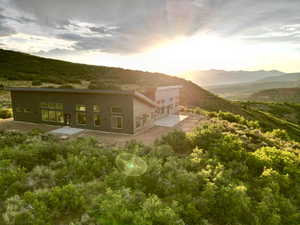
(222, 77)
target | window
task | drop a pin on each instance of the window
(96, 108)
(97, 120)
(116, 110)
(52, 112)
(59, 116)
(44, 105)
(59, 106)
(45, 115)
(81, 116)
(117, 122)
(81, 108)
(27, 110)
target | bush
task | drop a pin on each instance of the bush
(5, 113)
(178, 141)
(103, 85)
(281, 134)
(36, 83)
(46, 181)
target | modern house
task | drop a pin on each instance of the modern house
(105, 110)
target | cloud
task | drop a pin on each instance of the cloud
(126, 27)
(5, 30)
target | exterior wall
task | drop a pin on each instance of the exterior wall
(140, 110)
(168, 100)
(32, 100)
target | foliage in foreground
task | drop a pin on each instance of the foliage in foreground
(234, 174)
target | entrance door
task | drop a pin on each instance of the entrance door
(67, 117)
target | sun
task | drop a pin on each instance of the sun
(201, 51)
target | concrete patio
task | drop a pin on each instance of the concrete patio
(170, 120)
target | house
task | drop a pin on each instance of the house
(106, 110)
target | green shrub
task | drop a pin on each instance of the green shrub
(178, 141)
(5, 113)
(44, 181)
(281, 134)
(36, 83)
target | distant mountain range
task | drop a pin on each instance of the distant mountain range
(221, 77)
(242, 91)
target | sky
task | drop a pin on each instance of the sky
(170, 36)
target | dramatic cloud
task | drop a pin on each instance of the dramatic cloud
(131, 26)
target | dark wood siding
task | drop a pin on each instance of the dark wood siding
(32, 100)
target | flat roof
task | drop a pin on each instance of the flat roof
(85, 91)
(168, 87)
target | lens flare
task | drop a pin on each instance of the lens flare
(130, 164)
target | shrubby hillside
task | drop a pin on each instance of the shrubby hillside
(19, 66)
(291, 95)
(284, 116)
(227, 171)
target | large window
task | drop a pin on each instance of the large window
(96, 108)
(97, 120)
(117, 122)
(97, 116)
(81, 114)
(52, 112)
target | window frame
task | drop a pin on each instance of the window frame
(52, 107)
(78, 111)
(117, 116)
(96, 111)
(94, 116)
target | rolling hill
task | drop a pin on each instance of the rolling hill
(291, 95)
(243, 91)
(20, 66)
(221, 77)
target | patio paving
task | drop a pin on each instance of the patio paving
(170, 121)
(66, 131)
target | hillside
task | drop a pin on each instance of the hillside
(19, 66)
(242, 91)
(291, 95)
(221, 173)
(220, 77)
(289, 77)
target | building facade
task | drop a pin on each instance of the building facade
(106, 110)
(167, 99)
